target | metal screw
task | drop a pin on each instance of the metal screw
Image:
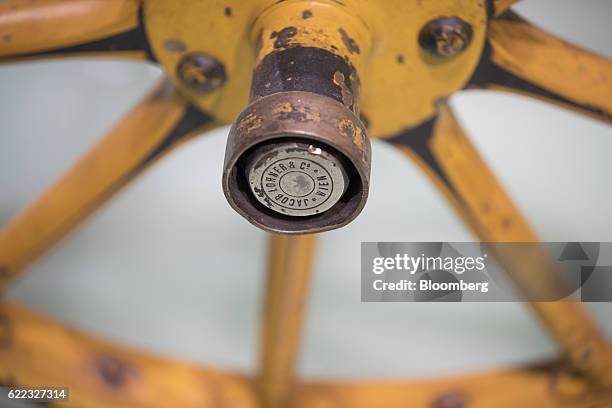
(446, 37)
(201, 72)
(113, 371)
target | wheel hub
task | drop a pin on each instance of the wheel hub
(402, 81)
(313, 66)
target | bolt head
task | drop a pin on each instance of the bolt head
(446, 37)
(201, 72)
(450, 400)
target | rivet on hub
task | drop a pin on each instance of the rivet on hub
(446, 37)
(201, 72)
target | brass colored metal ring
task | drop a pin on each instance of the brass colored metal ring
(300, 126)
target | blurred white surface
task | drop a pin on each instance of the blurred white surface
(169, 267)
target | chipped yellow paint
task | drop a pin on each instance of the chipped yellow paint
(250, 123)
(358, 138)
(347, 128)
(347, 95)
(283, 108)
(319, 24)
(309, 115)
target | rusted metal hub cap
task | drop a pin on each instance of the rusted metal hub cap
(297, 179)
(297, 163)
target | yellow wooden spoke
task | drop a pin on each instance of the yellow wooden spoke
(142, 136)
(499, 6)
(38, 352)
(525, 59)
(36, 29)
(289, 268)
(445, 153)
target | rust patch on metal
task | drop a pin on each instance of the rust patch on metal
(283, 108)
(250, 123)
(347, 128)
(113, 370)
(307, 116)
(347, 95)
(358, 138)
(350, 44)
(301, 114)
(283, 36)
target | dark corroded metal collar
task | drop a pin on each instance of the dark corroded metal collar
(325, 156)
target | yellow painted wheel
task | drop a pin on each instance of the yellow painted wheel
(411, 56)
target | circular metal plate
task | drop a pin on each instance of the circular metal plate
(296, 179)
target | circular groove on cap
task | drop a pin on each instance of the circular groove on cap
(296, 179)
